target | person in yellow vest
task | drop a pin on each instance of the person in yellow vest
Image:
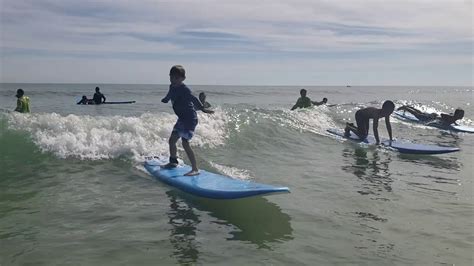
(23, 102)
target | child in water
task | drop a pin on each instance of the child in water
(363, 116)
(23, 102)
(184, 105)
(445, 119)
(305, 102)
(98, 96)
(202, 98)
(84, 100)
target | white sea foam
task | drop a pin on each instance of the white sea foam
(316, 120)
(232, 171)
(106, 137)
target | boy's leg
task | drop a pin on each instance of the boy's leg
(173, 162)
(350, 127)
(192, 158)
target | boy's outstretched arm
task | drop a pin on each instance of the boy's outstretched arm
(167, 97)
(389, 126)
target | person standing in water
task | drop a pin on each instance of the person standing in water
(23, 102)
(98, 96)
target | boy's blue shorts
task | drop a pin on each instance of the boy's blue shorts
(183, 131)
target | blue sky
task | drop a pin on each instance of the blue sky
(241, 42)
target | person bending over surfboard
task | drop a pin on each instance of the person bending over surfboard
(185, 105)
(445, 119)
(363, 116)
(305, 102)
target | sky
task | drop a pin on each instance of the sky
(238, 42)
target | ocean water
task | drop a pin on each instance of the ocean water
(73, 190)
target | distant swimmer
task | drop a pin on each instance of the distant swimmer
(84, 100)
(98, 96)
(202, 98)
(23, 102)
(445, 119)
(305, 102)
(363, 116)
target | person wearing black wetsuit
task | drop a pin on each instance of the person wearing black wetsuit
(98, 96)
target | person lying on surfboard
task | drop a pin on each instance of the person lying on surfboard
(202, 98)
(363, 116)
(305, 102)
(445, 119)
(324, 101)
(84, 100)
(185, 105)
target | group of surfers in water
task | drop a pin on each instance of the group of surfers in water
(98, 98)
(363, 116)
(185, 105)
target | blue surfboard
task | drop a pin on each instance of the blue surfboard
(207, 184)
(400, 146)
(453, 127)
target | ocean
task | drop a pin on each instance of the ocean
(73, 189)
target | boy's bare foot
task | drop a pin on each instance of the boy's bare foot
(192, 173)
(169, 165)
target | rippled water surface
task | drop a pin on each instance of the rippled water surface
(73, 189)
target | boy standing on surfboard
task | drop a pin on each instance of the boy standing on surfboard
(184, 105)
(362, 119)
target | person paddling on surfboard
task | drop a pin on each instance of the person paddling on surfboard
(185, 105)
(324, 101)
(363, 116)
(202, 98)
(98, 96)
(84, 100)
(445, 119)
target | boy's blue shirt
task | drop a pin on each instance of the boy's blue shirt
(185, 104)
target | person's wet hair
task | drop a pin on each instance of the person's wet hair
(19, 92)
(303, 91)
(388, 106)
(459, 113)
